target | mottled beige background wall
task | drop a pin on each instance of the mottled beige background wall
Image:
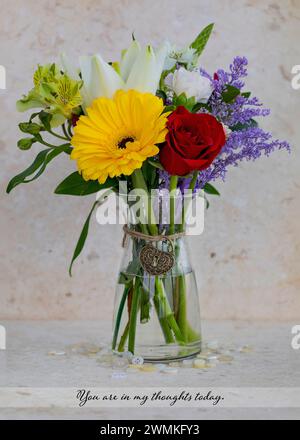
(247, 261)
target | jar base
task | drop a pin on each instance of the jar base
(167, 353)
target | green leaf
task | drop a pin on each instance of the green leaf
(190, 103)
(230, 93)
(128, 275)
(57, 120)
(32, 100)
(26, 143)
(200, 41)
(155, 164)
(34, 115)
(161, 94)
(75, 185)
(45, 119)
(199, 106)
(169, 108)
(180, 100)
(19, 178)
(30, 127)
(150, 174)
(246, 94)
(134, 265)
(210, 189)
(39, 163)
(82, 237)
(239, 126)
(51, 155)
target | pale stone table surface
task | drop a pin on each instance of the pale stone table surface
(39, 354)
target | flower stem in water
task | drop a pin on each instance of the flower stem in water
(182, 322)
(167, 311)
(119, 314)
(123, 339)
(133, 315)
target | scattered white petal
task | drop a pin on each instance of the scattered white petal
(148, 368)
(187, 363)
(225, 358)
(56, 353)
(133, 367)
(246, 349)
(212, 358)
(169, 370)
(199, 363)
(174, 364)
(137, 360)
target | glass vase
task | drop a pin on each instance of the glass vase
(156, 315)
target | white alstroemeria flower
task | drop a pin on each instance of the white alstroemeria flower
(139, 69)
(73, 72)
(170, 61)
(186, 55)
(191, 83)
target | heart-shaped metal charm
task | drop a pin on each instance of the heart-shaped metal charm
(156, 262)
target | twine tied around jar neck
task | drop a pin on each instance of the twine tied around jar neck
(153, 260)
(151, 238)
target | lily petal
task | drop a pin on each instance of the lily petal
(106, 80)
(68, 67)
(129, 58)
(145, 73)
(162, 52)
(86, 74)
(100, 79)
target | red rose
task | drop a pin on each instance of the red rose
(194, 140)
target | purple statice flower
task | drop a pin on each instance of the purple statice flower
(247, 144)
(164, 178)
(246, 141)
(243, 108)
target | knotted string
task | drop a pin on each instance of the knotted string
(146, 237)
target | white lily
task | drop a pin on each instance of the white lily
(161, 54)
(68, 67)
(140, 69)
(99, 78)
(129, 58)
(146, 71)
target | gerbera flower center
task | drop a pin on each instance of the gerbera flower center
(122, 143)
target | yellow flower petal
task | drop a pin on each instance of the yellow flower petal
(118, 134)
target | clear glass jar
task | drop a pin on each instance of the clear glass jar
(156, 314)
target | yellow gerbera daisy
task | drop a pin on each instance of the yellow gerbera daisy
(118, 134)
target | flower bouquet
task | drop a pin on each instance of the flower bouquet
(156, 130)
